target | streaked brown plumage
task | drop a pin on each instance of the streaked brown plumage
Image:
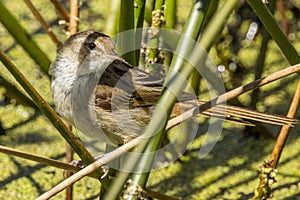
(101, 94)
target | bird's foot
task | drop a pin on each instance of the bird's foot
(81, 164)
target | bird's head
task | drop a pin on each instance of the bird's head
(84, 52)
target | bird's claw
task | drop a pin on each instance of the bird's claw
(77, 163)
(81, 164)
(105, 170)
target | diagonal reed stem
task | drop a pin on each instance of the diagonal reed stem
(43, 23)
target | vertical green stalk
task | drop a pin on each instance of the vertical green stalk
(111, 27)
(209, 35)
(209, 8)
(170, 21)
(23, 38)
(147, 15)
(190, 31)
(212, 8)
(139, 12)
(197, 15)
(170, 14)
(127, 23)
(131, 18)
(152, 53)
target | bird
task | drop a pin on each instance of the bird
(102, 95)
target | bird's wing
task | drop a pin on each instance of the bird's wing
(121, 84)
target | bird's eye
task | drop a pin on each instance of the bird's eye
(91, 46)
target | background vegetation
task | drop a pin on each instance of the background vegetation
(230, 171)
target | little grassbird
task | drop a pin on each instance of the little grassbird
(101, 94)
